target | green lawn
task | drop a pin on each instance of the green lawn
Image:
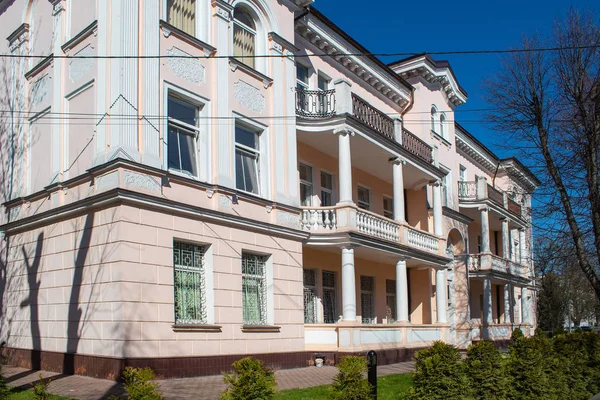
(388, 388)
(23, 394)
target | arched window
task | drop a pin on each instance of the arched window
(433, 115)
(244, 36)
(442, 123)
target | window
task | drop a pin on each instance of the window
(326, 189)
(367, 301)
(246, 160)
(447, 189)
(324, 103)
(388, 207)
(301, 76)
(433, 116)
(364, 198)
(254, 289)
(323, 83)
(183, 131)
(390, 291)
(182, 15)
(189, 281)
(478, 243)
(442, 123)
(463, 173)
(244, 36)
(310, 298)
(306, 185)
(329, 297)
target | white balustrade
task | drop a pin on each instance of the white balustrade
(316, 219)
(473, 262)
(499, 264)
(376, 226)
(421, 240)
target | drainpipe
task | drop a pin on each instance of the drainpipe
(495, 173)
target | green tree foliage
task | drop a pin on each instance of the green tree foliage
(525, 369)
(440, 374)
(3, 388)
(485, 369)
(138, 386)
(350, 382)
(573, 359)
(250, 380)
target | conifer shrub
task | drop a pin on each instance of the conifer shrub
(440, 374)
(572, 361)
(517, 333)
(525, 370)
(485, 369)
(138, 385)
(250, 380)
(350, 382)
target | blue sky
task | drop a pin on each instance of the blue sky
(433, 25)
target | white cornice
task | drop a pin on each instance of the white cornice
(472, 150)
(516, 173)
(420, 66)
(326, 41)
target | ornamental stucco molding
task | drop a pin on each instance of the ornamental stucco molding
(249, 96)
(80, 67)
(189, 69)
(222, 9)
(141, 181)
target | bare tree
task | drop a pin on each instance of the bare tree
(549, 103)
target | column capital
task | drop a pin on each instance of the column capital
(344, 130)
(397, 161)
(505, 220)
(222, 10)
(435, 183)
(484, 208)
(402, 259)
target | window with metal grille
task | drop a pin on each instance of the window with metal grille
(364, 198)
(244, 36)
(329, 297)
(190, 283)
(367, 300)
(326, 189)
(310, 298)
(388, 207)
(306, 185)
(182, 15)
(254, 289)
(390, 292)
(183, 130)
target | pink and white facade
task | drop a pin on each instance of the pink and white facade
(173, 200)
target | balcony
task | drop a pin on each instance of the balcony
(473, 191)
(497, 265)
(346, 218)
(315, 104)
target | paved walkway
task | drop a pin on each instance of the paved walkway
(203, 388)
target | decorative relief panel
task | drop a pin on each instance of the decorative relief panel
(80, 67)
(189, 69)
(39, 90)
(107, 181)
(224, 201)
(141, 181)
(289, 219)
(249, 96)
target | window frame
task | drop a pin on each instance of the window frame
(390, 295)
(248, 29)
(334, 296)
(306, 183)
(361, 203)
(442, 123)
(373, 317)
(191, 130)
(265, 310)
(330, 191)
(300, 83)
(261, 154)
(434, 112)
(313, 289)
(462, 173)
(388, 213)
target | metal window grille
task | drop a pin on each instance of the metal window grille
(254, 289)
(367, 302)
(190, 283)
(329, 297)
(310, 298)
(390, 290)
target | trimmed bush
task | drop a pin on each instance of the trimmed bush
(440, 374)
(250, 380)
(138, 386)
(572, 360)
(525, 369)
(485, 369)
(516, 334)
(350, 382)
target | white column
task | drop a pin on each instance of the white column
(345, 164)
(348, 285)
(487, 302)
(401, 291)
(507, 316)
(438, 227)
(524, 316)
(440, 295)
(505, 239)
(398, 178)
(485, 230)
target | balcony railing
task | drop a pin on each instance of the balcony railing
(326, 219)
(416, 146)
(514, 207)
(316, 104)
(467, 190)
(495, 195)
(372, 117)
(485, 262)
